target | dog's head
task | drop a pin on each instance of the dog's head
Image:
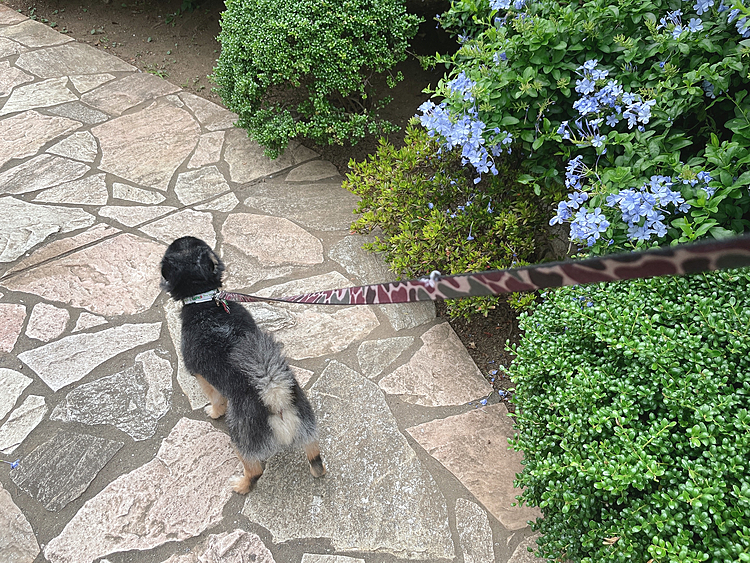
(190, 267)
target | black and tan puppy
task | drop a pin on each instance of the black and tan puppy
(239, 367)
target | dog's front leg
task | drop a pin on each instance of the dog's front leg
(252, 470)
(218, 406)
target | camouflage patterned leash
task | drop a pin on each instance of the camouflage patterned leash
(687, 259)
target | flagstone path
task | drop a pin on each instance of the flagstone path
(101, 167)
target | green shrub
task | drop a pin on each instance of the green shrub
(433, 217)
(634, 420)
(305, 68)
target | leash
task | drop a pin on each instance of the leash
(698, 257)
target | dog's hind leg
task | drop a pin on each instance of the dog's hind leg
(252, 470)
(312, 451)
(218, 402)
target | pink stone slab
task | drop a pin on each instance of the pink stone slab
(46, 322)
(474, 447)
(11, 321)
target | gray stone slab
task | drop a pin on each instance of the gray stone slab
(78, 146)
(69, 359)
(132, 215)
(50, 92)
(211, 116)
(85, 82)
(9, 16)
(80, 112)
(208, 150)
(404, 316)
(313, 171)
(117, 96)
(522, 553)
(376, 355)
(12, 316)
(12, 384)
(61, 469)
(322, 207)
(70, 58)
(223, 203)
(34, 34)
(43, 171)
(198, 185)
(177, 495)
(315, 558)
(21, 423)
(138, 195)
(10, 77)
(376, 497)
(17, 540)
(9, 48)
(185, 380)
(23, 135)
(25, 225)
(47, 322)
(147, 147)
(474, 532)
(91, 190)
(237, 546)
(186, 222)
(132, 400)
(86, 320)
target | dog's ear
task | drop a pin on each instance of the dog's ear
(210, 264)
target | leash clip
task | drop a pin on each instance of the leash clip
(435, 277)
(219, 300)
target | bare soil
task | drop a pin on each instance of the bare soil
(182, 48)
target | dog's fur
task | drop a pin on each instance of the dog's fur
(240, 368)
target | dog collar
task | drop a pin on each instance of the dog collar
(201, 297)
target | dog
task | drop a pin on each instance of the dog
(240, 368)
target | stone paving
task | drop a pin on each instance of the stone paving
(101, 167)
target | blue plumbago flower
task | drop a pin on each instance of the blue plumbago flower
(708, 88)
(585, 86)
(597, 140)
(463, 84)
(743, 28)
(499, 4)
(497, 57)
(587, 226)
(722, 7)
(430, 206)
(703, 6)
(519, 4)
(695, 25)
(612, 120)
(733, 15)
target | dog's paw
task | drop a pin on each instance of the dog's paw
(317, 468)
(215, 411)
(241, 485)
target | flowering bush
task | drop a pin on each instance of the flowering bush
(639, 108)
(433, 216)
(304, 68)
(634, 418)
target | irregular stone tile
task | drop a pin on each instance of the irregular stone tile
(91, 190)
(315, 558)
(366, 266)
(61, 469)
(376, 497)
(17, 540)
(87, 320)
(133, 215)
(138, 195)
(314, 332)
(12, 384)
(186, 222)
(312, 172)
(71, 358)
(323, 207)
(376, 355)
(80, 112)
(118, 276)
(208, 114)
(175, 100)
(238, 546)
(23, 135)
(177, 495)
(21, 422)
(474, 532)
(185, 380)
(78, 146)
(441, 373)
(10, 77)
(39, 95)
(403, 316)
(132, 400)
(12, 316)
(43, 171)
(247, 162)
(9, 16)
(120, 95)
(70, 58)
(208, 150)
(474, 447)
(303, 376)
(62, 246)
(46, 322)
(522, 553)
(197, 185)
(34, 34)
(85, 82)
(244, 272)
(271, 241)
(224, 203)
(322, 282)
(147, 146)
(25, 225)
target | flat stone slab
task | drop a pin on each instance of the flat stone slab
(86, 320)
(376, 497)
(69, 359)
(17, 540)
(208, 114)
(12, 316)
(117, 96)
(132, 400)
(474, 447)
(474, 532)
(441, 373)
(47, 322)
(132, 215)
(21, 423)
(70, 58)
(522, 553)
(23, 135)
(91, 190)
(238, 546)
(177, 495)
(147, 147)
(9, 16)
(62, 468)
(85, 82)
(117, 276)
(10, 76)
(43, 171)
(38, 95)
(313, 171)
(79, 112)
(208, 150)
(12, 384)
(315, 558)
(138, 195)
(185, 380)
(34, 34)
(78, 146)
(186, 222)
(198, 185)
(376, 355)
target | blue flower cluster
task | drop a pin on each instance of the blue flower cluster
(465, 130)
(506, 4)
(673, 20)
